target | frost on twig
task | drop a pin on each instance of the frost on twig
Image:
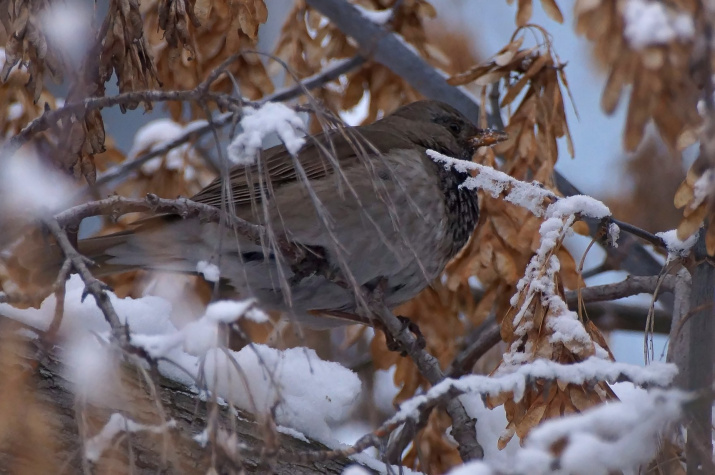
(94, 447)
(527, 195)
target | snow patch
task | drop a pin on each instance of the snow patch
(304, 392)
(67, 26)
(676, 247)
(650, 23)
(210, 271)
(229, 311)
(30, 186)
(379, 17)
(271, 117)
(154, 136)
(307, 392)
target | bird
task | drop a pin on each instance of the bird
(367, 200)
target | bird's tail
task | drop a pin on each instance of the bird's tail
(95, 248)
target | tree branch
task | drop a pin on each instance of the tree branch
(328, 74)
(93, 286)
(632, 285)
(463, 427)
(185, 208)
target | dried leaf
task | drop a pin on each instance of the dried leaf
(552, 10)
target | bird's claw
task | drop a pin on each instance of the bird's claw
(407, 324)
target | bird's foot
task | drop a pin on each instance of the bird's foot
(407, 324)
(315, 262)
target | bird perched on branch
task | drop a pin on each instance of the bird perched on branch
(364, 204)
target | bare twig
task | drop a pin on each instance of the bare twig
(49, 118)
(483, 339)
(59, 288)
(183, 207)
(93, 286)
(632, 285)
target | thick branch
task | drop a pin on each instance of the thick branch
(390, 50)
(174, 451)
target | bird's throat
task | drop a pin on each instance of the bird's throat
(461, 204)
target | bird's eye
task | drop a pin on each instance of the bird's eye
(455, 128)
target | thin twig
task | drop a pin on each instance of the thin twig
(92, 285)
(632, 285)
(639, 232)
(128, 166)
(183, 207)
(59, 289)
(49, 118)
(463, 427)
(313, 82)
(483, 338)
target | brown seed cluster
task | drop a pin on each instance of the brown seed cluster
(308, 43)
(658, 74)
(190, 38)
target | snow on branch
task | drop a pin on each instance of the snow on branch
(257, 123)
(531, 196)
(677, 248)
(516, 380)
(380, 17)
(616, 437)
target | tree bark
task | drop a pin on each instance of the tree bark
(701, 328)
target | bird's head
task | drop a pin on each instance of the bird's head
(442, 127)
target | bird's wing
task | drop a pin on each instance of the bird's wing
(318, 158)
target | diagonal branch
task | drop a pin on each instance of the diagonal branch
(464, 428)
(328, 74)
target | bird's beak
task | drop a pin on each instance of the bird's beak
(488, 137)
